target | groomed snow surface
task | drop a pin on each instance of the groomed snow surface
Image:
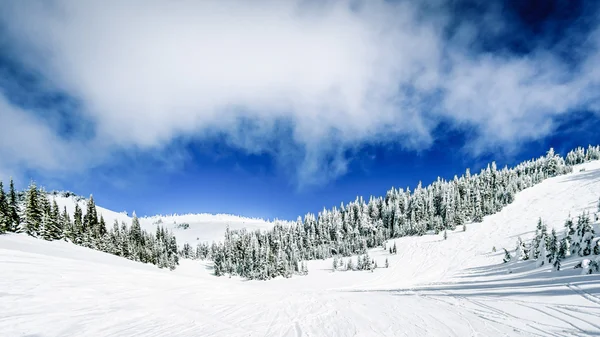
(433, 287)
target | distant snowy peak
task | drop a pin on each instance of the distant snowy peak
(196, 228)
(188, 228)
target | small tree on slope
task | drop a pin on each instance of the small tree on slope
(507, 256)
(519, 251)
(561, 253)
(542, 256)
(552, 246)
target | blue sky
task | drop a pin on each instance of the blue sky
(283, 108)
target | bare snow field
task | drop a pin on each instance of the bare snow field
(433, 287)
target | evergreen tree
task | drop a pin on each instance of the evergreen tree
(519, 251)
(569, 226)
(102, 226)
(5, 221)
(90, 220)
(561, 253)
(13, 207)
(77, 225)
(552, 246)
(543, 255)
(33, 211)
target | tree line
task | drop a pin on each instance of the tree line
(32, 212)
(353, 228)
(342, 231)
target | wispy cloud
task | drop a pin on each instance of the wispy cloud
(337, 74)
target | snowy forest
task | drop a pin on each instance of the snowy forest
(353, 228)
(348, 230)
(33, 213)
(578, 240)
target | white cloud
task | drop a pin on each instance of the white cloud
(26, 142)
(149, 71)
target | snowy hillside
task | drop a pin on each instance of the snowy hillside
(433, 287)
(202, 227)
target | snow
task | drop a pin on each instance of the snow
(202, 227)
(433, 287)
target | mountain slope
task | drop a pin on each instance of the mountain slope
(433, 287)
(202, 227)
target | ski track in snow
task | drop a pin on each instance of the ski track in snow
(433, 287)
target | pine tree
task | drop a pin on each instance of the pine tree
(561, 253)
(542, 256)
(537, 239)
(33, 211)
(4, 211)
(552, 246)
(13, 208)
(56, 225)
(519, 251)
(102, 226)
(569, 226)
(77, 225)
(90, 220)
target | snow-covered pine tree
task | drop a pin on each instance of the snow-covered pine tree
(90, 220)
(4, 211)
(552, 246)
(77, 225)
(33, 211)
(542, 255)
(13, 205)
(583, 235)
(561, 253)
(539, 234)
(519, 250)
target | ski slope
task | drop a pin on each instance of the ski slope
(433, 287)
(202, 227)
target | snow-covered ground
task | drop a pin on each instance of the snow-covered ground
(433, 287)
